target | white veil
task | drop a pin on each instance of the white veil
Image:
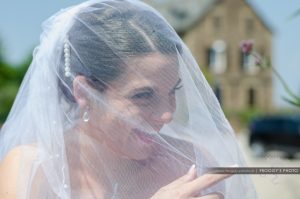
(114, 106)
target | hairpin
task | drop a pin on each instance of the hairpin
(67, 58)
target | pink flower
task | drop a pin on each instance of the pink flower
(246, 46)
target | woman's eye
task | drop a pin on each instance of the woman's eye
(143, 95)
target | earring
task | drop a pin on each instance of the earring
(86, 116)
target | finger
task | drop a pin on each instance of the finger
(204, 182)
(191, 175)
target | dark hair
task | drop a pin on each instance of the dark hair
(103, 34)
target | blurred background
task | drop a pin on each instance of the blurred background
(249, 51)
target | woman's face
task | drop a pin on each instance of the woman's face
(140, 100)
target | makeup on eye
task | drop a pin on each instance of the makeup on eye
(144, 94)
(149, 92)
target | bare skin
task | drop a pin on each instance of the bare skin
(189, 186)
(185, 187)
(128, 96)
(10, 182)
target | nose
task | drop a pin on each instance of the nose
(166, 117)
(163, 114)
(161, 119)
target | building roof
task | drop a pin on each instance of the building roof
(260, 15)
(182, 14)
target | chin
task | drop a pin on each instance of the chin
(138, 152)
(139, 148)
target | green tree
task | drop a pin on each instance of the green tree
(10, 80)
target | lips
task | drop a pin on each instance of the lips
(145, 137)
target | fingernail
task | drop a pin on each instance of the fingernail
(192, 169)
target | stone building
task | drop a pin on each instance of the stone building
(213, 30)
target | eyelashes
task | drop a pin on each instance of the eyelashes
(175, 89)
(143, 95)
(178, 87)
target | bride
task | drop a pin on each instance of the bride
(114, 106)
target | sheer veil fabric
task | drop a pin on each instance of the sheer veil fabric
(114, 106)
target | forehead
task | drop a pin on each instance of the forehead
(150, 70)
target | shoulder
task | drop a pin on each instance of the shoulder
(16, 163)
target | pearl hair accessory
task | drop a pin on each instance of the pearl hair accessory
(67, 58)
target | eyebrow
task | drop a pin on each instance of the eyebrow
(148, 88)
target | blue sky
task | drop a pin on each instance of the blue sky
(20, 27)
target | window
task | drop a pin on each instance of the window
(212, 58)
(217, 57)
(208, 52)
(218, 93)
(251, 97)
(248, 63)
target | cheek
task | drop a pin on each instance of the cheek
(172, 101)
(119, 120)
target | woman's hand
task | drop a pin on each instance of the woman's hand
(189, 186)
